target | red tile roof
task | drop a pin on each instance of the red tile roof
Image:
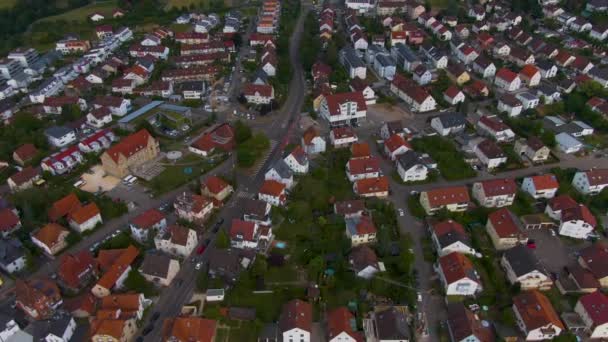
(120, 265)
(85, 213)
(189, 329)
(529, 71)
(309, 135)
(504, 224)
(595, 257)
(26, 152)
(394, 142)
(372, 185)
(596, 306)
(358, 166)
(25, 175)
(335, 100)
(245, 229)
(561, 202)
(579, 213)
(215, 184)
(360, 150)
(8, 220)
(493, 124)
(452, 92)
(148, 218)
(340, 321)
(50, 234)
(499, 187)
(130, 145)
(365, 226)
(536, 310)
(71, 266)
(272, 187)
(448, 226)
(264, 90)
(506, 75)
(597, 177)
(296, 314)
(456, 266)
(544, 182)
(449, 195)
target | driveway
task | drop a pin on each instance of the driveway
(555, 252)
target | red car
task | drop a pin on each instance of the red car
(201, 250)
(531, 244)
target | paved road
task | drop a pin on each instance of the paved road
(174, 297)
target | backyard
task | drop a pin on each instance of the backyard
(450, 161)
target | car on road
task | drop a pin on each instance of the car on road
(207, 242)
(147, 330)
(401, 212)
(531, 244)
(198, 266)
(414, 192)
(155, 316)
(201, 249)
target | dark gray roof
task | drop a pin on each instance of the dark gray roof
(405, 52)
(544, 64)
(451, 237)
(391, 324)
(546, 89)
(409, 159)
(41, 329)
(270, 333)
(253, 207)
(452, 119)
(523, 260)
(192, 85)
(385, 60)
(224, 262)
(282, 169)
(350, 57)
(57, 131)
(10, 250)
(156, 265)
(261, 75)
(601, 73)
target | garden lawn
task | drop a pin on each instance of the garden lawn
(174, 176)
(450, 161)
(83, 13)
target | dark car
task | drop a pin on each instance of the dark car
(139, 339)
(220, 221)
(155, 316)
(147, 330)
(201, 249)
(207, 242)
(216, 228)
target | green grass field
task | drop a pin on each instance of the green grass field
(82, 13)
(7, 3)
(181, 3)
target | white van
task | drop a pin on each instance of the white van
(79, 183)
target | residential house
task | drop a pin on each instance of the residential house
(458, 74)
(281, 173)
(507, 80)
(533, 149)
(495, 128)
(258, 93)
(577, 222)
(189, 329)
(295, 321)
(38, 298)
(504, 229)
(364, 262)
(244, 234)
(413, 94)
(522, 267)
(387, 324)
(130, 152)
(411, 167)
(176, 240)
(590, 182)
(542, 186)
(23, 179)
(528, 100)
(344, 108)
(216, 188)
(312, 142)
(24, 154)
(422, 75)
(353, 63)
(85, 218)
(193, 208)
(339, 326)
(536, 317)
(557, 204)
(458, 275)
(395, 145)
(451, 198)
(9, 221)
(495, 193)
(76, 271)
(297, 160)
(463, 325)
(361, 168)
(453, 95)
(159, 269)
(115, 265)
(490, 154)
(256, 211)
(12, 256)
(51, 238)
(360, 230)
(530, 75)
(146, 224)
(450, 237)
(60, 136)
(358, 85)
(349, 208)
(592, 258)
(372, 187)
(342, 137)
(448, 123)
(510, 104)
(273, 193)
(593, 310)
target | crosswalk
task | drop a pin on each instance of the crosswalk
(256, 168)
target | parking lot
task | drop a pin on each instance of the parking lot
(555, 252)
(96, 180)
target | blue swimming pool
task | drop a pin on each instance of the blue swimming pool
(280, 244)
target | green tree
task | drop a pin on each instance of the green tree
(259, 267)
(242, 132)
(315, 267)
(548, 138)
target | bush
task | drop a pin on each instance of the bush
(449, 160)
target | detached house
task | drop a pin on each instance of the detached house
(344, 108)
(533, 149)
(115, 265)
(339, 326)
(258, 93)
(360, 230)
(85, 218)
(364, 262)
(510, 104)
(176, 240)
(507, 80)
(464, 325)
(592, 258)
(295, 321)
(490, 154)
(557, 204)
(536, 317)
(297, 160)
(273, 193)
(77, 270)
(38, 298)
(453, 95)
(216, 188)
(281, 173)
(450, 237)
(590, 182)
(495, 193)
(51, 238)
(312, 142)
(543, 186)
(361, 168)
(577, 222)
(530, 75)
(372, 187)
(504, 230)
(495, 128)
(146, 224)
(593, 310)
(522, 267)
(193, 208)
(9, 221)
(451, 198)
(395, 145)
(448, 123)
(342, 137)
(458, 275)
(411, 167)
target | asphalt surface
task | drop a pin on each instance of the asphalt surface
(179, 293)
